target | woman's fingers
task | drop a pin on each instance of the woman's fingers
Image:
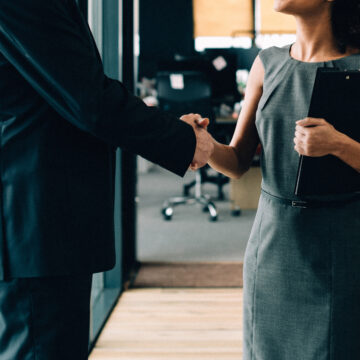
(194, 166)
(299, 150)
(311, 122)
(298, 141)
(300, 133)
(190, 116)
(299, 145)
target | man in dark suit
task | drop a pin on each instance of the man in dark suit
(61, 120)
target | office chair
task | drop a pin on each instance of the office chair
(223, 90)
(182, 93)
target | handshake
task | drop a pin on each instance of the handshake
(204, 141)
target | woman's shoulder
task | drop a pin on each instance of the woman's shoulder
(352, 61)
(274, 56)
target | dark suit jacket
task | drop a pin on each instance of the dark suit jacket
(61, 119)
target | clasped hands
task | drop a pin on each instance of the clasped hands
(204, 141)
(315, 137)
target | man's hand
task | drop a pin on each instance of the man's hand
(204, 141)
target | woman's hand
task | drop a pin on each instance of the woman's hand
(315, 137)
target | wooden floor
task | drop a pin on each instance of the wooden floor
(174, 324)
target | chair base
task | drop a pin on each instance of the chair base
(218, 179)
(208, 206)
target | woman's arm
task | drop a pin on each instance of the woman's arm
(316, 137)
(235, 159)
(348, 150)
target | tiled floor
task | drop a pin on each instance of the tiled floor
(190, 236)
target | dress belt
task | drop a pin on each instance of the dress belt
(351, 197)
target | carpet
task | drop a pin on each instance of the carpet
(193, 275)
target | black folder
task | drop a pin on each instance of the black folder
(335, 98)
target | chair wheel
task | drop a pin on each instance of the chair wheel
(167, 213)
(236, 212)
(213, 218)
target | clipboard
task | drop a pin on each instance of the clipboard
(335, 98)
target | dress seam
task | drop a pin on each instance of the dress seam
(331, 305)
(254, 289)
(32, 325)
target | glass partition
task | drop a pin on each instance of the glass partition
(104, 19)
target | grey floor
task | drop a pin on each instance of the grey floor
(190, 236)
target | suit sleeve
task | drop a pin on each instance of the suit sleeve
(50, 44)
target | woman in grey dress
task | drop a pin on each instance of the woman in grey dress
(302, 265)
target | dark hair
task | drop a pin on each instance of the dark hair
(345, 20)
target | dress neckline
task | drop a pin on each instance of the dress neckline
(288, 50)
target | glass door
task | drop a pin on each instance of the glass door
(104, 19)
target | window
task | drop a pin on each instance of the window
(223, 18)
(268, 21)
(234, 23)
(107, 286)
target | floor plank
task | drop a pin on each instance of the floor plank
(174, 324)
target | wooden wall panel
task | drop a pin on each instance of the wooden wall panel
(223, 17)
(272, 22)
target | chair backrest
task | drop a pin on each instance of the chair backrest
(184, 92)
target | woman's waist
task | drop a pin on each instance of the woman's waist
(313, 201)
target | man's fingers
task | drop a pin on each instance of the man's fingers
(203, 122)
(195, 120)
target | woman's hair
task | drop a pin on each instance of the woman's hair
(345, 20)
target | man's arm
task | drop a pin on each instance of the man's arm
(49, 43)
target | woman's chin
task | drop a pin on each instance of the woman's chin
(277, 5)
(281, 7)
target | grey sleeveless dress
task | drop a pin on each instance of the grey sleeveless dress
(302, 265)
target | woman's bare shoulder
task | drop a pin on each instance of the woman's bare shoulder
(256, 79)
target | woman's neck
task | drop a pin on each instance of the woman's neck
(315, 41)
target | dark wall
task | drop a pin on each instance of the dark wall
(166, 29)
(246, 57)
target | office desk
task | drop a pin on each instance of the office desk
(223, 129)
(244, 192)
(226, 121)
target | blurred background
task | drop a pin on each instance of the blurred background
(174, 234)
